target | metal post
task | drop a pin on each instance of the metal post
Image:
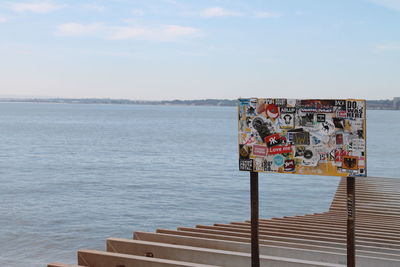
(255, 250)
(351, 217)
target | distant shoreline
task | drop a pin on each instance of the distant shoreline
(393, 104)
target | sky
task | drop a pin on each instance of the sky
(197, 49)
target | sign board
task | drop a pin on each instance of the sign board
(303, 136)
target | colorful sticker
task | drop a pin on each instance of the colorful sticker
(301, 138)
(279, 160)
(315, 136)
(280, 150)
(289, 165)
(287, 120)
(350, 163)
(259, 150)
(274, 140)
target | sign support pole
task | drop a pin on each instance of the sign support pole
(255, 250)
(351, 217)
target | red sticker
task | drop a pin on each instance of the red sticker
(280, 149)
(342, 114)
(272, 111)
(289, 165)
(272, 140)
(339, 154)
(259, 150)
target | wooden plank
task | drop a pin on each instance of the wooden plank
(212, 256)
(94, 258)
(218, 236)
(308, 235)
(321, 228)
(313, 254)
(57, 264)
(368, 251)
(300, 229)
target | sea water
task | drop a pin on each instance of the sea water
(72, 175)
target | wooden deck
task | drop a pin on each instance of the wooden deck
(309, 240)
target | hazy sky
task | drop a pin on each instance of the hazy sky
(193, 49)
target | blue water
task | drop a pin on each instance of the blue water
(73, 175)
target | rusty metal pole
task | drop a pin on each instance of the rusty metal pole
(351, 218)
(255, 250)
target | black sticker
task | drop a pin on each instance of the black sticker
(360, 134)
(339, 123)
(308, 154)
(340, 105)
(245, 164)
(251, 111)
(244, 151)
(261, 127)
(301, 138)
(321, 117)
(307, 119)
(288, 110)
(299, 151)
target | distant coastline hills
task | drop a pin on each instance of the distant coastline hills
(393, 104)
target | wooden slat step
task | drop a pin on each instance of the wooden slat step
(94, 258)
(300, 252)
(57, 264)
(196, 254)
(365, 251)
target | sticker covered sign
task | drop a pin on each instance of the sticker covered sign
(313, 136)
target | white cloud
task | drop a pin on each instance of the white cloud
(138, 12)
(176, 31)
(36, 7)
(220, 12)
(94, 7)
(266, 14)
(392, 4)
(76, 29)
(162, 33)
(388, 47)
(123, 33)
(3, 19)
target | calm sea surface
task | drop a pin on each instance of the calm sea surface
(73, 175)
